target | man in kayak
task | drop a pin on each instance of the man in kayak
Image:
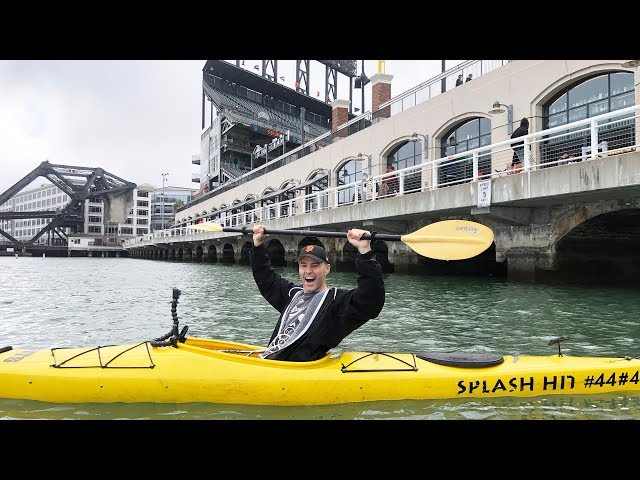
(313, 317)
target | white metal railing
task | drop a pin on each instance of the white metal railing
(583, 140)
(433, 86)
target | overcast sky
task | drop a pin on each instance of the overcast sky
(136, 119)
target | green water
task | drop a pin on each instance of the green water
(65, 302)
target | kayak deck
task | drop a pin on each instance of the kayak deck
(218, 371)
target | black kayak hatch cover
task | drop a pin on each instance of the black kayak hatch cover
(467, 360)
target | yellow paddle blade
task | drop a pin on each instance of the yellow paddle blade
(450, 240)
(209, 227)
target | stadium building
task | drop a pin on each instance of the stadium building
(257, 152)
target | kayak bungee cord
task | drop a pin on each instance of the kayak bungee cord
(170, 339)
(173, 337)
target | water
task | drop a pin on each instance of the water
(76, 302)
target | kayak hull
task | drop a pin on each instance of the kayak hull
(217, 371)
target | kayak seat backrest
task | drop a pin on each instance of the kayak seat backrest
(467, 360)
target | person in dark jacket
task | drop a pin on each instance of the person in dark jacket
(518, 147)
(313, 317)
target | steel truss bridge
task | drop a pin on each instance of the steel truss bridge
(80, 184)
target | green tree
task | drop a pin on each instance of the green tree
(178, 204)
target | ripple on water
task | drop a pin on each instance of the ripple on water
(58, 302)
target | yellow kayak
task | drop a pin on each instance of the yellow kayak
(223, 372)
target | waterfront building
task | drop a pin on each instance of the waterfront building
(564, 210)
(44, 197)
(418, 126)
(163, 202)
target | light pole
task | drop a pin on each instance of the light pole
(423, 156)
(366, 176)
(497, 108)
(164, 176)
(302, 118)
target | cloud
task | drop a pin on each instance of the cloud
(134, 118)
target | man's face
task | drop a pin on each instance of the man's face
(313, 274)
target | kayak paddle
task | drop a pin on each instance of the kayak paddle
(444, 240)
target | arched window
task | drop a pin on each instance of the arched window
(249, 209)
(597, 95)
(289, 193)
(266, 200)
(234, 212)
(467, 136)
(407, 155)
(588, 98)
(349, 172)
(319, 182)
(223, 215)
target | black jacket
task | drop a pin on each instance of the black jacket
(518, 147)
(342, 312)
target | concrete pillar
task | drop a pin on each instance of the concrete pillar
(380, 93)
(636, 85)
(529, 264)
(339, 116)
(521, 268)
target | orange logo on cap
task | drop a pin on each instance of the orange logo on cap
(309, 248)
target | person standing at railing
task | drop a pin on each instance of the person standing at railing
(390, 182)
(568, 158)
(517, 161)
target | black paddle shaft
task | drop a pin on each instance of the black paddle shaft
(314, 233)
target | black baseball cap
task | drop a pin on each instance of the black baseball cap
(314, 251)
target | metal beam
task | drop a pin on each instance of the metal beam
(330, 84)
(273, 76)
(5, 234)
(346, 67)
(302, 76)
(62, 183)
(23, 182)
(32, 214)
